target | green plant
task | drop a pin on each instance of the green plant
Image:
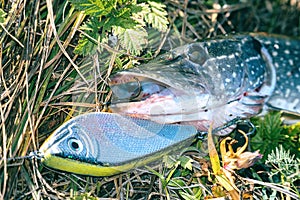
(2, 16)
(124, 19)
(272, 133)
(285, 165)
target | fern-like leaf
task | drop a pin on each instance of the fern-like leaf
(94, 7)
(157, 17)
(133, 40)
(87, 44)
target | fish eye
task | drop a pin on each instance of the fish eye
(75, 145)
(197, 54)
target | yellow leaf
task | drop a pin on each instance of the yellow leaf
(222, 180)
(213, 154)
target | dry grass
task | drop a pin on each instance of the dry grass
(43, 84)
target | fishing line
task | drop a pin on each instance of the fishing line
(34, 154)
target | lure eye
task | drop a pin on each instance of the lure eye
(75, 145)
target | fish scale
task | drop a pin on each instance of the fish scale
(212, 81)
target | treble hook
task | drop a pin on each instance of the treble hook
(237, 121)
(250, 126)
(139, 87)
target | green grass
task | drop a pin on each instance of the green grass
(43, 83)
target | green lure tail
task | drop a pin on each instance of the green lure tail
(104, 144)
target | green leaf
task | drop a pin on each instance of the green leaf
(2, 16)
(133, 40)
(157, 17)
(187, 196)
(170, 162)
(87, 44)
(139, 16)
(186, 162)
(94, 7)
(160, 176)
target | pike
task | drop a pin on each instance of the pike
(213, 81)
(161, 106)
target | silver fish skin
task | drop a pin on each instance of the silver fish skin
(214, 81)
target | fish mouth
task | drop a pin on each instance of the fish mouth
(148, 96)
(145, 96)
(131, 87)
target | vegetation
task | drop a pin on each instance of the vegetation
(56, 57)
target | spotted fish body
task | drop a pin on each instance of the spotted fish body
(213, 81)
(285, 53)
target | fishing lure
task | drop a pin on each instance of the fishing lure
(103, 144)
(164, 103)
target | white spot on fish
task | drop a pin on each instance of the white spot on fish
(261, 76)
(286, 51)
(294, 104)
(267, 42)
(221, 57)
(298, 88)
(277, 78)
(291, 62)
(227, 80)
(276, 46)
(287, 92)
(274, 53)
(287, 81)
(231, 56)
(252, 58)
(234, 75)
